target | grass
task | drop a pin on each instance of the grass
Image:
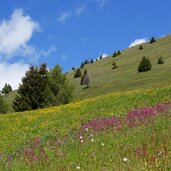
(50, 139)
(104, 79)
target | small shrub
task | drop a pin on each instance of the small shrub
(114, 55)
(114, 65)
(152, 40)
(160, 60)
(145, 65)
(78, 73)
(118, 53)
(141, 47)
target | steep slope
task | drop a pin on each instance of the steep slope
(104, 79)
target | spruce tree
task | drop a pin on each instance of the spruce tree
(141, 47)
(91, 61)
(101, 57)
(114, 55)
(145, 65)
(118, 53)
(152, 40)
(82, 65)
(33, 92)
(77, 73)
(6, 89)
(160, 60)
(114, 65)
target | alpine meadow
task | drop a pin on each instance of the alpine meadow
(77, 94)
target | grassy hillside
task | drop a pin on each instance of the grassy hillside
(118, 131)
(104, 79)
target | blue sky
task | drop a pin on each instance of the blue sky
(67, 32)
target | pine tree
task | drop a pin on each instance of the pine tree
(33, 92)
(160, 60)
(118, 53)
(82, 65)
(145, 65)
(114, 65)
(77, 73)
(152, 40)
(6, 89)
(101, 57)
(91, 61)
(141, 47)
(73, 68)
(114, 55)
(86, 62)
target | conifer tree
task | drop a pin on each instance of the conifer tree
(141, 47)
(152, 40)
(77, 73)
(160, 60)
(86, 80)
(33, 92)
(91, 61)
(114, 55)
(114, 65)
(145, 65)
(6, 89)
(82, 65)
(118, 53)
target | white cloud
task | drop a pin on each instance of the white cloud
(101, 3)
(138, 41)
(64, 15)
(80, 10)
(12, 74)
(16, 32)
(104, 55)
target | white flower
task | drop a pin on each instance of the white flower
(86, 129)
(125, 159)
(78, 167)
(91, 135)
(92, 140)
(102, 144)
(82, 141)
(81, 137)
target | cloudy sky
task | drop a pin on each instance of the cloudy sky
(67, 32)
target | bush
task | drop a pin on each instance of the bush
(3, 105)
(114, 65)
(152, 40)
(145, 65)
(78, 73)
(160, 60)
(141, 47)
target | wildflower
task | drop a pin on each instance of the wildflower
(92, 140)
(81, 137)
(91, 135)
(102, 144)
(86, 129)
(125, 159)
(78, 167)
(82, 141)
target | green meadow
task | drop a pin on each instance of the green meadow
(56, 139)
